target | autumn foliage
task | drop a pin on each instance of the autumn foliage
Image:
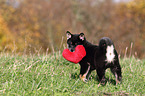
(35, 25)
(6, 40)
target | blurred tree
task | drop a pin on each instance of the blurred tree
(129, 25)
(6, 38)
(40, 24)
(26, 24)
(137, 14)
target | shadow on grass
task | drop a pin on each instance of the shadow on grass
(111, 81)
(76, 76)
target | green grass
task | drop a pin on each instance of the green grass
(52, 75)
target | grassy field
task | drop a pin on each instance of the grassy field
(52, 75)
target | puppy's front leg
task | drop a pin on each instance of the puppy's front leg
(84, 72)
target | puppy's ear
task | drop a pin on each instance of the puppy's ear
(82, 36)
(68, 34)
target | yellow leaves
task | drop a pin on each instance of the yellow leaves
(3, 25)
(36, 26)
(133, 9)
(6, 40)
(130, 4)
(137, 5)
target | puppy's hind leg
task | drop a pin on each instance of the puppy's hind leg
(117, 73)
(101, 74)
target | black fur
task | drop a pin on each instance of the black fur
(95, 58)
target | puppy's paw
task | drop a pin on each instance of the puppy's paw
(117, 82)
(83, 78)
(99, 84)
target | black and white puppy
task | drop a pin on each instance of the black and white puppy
(97, 58)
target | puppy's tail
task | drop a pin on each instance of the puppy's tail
(104, 42)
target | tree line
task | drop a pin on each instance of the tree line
(35, 25)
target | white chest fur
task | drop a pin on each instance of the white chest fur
(110, 54)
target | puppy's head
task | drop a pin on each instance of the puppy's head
(74, 39)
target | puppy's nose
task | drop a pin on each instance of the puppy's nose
(72, 50)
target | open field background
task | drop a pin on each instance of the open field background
(52, 75)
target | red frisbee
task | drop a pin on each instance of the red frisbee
(75, 56)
